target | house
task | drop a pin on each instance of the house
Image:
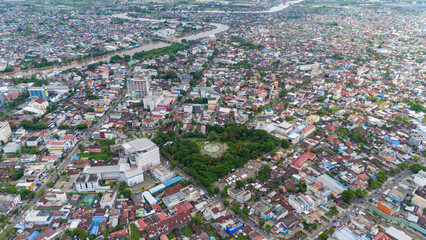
(12, 147)
(39, 104)
(33, 141)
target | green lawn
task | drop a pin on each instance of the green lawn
(96, 156)
(187, 231)
(134, 232)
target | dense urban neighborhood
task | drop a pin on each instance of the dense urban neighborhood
(204, 120)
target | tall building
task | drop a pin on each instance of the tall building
(142, 152)
(38, 92)
(2, 100)
(5, 132)
(138, 87)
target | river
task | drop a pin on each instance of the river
(273, 9)
(218, 28)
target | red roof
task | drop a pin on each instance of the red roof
(141, 224)
(298, 163)
(168, 224)
(11, 96)
(39, 101)
(67, 138)
(118, 233)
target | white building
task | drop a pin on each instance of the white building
(108, 199)
(420, 178)
(37, 218)
(86, 183)
(5, 132)
(33, 141)
(138, 87)
(174, 199)
(119, 172)
(12, 148)
(133, 176)
(161, 173)
(240, 195)
(142, 152)
(397, 234)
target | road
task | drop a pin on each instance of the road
(346, 215)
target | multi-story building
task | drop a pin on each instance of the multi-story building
(38, 92)
(138, 87)
(302, 203)
(108, 199)
(142, 152)
(420, 178)
(8, 202)
(5, 132)
(240, 195)
(86, 183)
(388, 207)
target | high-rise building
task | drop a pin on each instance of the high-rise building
(5, 132)
(38, 92)
(138, 87)
(142, 152)
(2, 100)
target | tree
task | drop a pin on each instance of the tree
(225, 203)
(360, 193)
(301, 186)
(416, 167)
(323, 236)
(82, 126)
(261, 221)
(268, 227)
(285, 143)
(40, 193)
(381, 176)
(263, 173)
(239, 184)
(198, 219)
(348, 195)
(236, 208)
(289, 118)
(331, 230)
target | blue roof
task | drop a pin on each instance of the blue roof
(99, 218)
(94, 230)
(33, 235)
(173, 181)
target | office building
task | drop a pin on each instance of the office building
(5, 132)
(138, 87)
(142, 152)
